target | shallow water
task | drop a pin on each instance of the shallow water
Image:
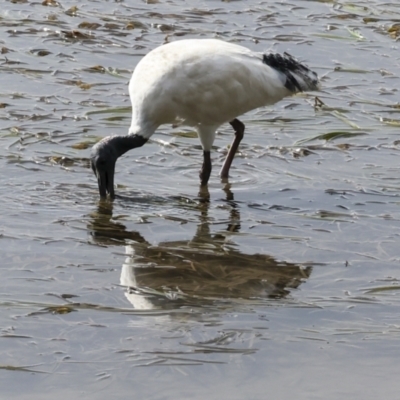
(283, 281)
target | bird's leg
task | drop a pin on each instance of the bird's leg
(205, 171)
(238, 126)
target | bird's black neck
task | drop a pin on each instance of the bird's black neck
(122, 144)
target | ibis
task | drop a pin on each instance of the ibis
(202, 83)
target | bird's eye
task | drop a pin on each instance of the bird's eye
(101, 162)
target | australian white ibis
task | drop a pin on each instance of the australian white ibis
(202, 83)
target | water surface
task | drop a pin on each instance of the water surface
(284, 280)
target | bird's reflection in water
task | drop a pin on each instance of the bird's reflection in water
(204, 270)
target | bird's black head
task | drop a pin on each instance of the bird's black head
(104, 156)
(102, 159)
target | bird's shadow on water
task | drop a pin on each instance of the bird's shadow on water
(207, 269)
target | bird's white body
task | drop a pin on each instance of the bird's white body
(202, 83)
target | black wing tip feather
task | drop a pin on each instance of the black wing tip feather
(288, 65)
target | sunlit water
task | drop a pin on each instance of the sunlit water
(283, 283)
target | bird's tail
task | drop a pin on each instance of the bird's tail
(297, 76)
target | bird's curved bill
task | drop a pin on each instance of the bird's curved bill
(105, 180)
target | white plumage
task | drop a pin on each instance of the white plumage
(201, 83)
